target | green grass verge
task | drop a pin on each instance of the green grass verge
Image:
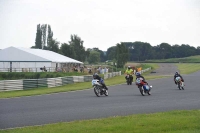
(165, 122)
(187, 68)
(190, 59)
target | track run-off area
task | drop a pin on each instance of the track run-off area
(122, 100)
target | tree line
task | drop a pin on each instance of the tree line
(120, 53)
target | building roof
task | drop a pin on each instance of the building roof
(16, 54)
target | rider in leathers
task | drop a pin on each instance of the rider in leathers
(138, 75)
(177, 75)
(101, 81)
(130, 72)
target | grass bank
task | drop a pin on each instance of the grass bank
(187, 68)
(190, 59)
(165, 122)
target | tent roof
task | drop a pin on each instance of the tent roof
(16, 54)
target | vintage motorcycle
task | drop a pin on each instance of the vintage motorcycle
(129, 80)
(98, 88)
(144, 88)
(180, 83)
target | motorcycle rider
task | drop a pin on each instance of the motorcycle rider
(101, 81)
(138, 75)
(177, 75)
(130, 72)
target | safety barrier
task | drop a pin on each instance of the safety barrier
(109, 75)
(24, 84)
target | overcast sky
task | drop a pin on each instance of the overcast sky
(101, 23)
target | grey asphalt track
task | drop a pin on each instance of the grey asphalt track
(81, 105)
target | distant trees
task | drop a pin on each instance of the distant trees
(43, 36)
(141, 51)
(77, 45)
(38, 39)
(49, 36)
(121, 53)
(53, 46)
(94, 57)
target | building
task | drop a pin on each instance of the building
(16, 59)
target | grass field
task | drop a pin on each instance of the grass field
(187, 68)
(191, 59)
(165, 122)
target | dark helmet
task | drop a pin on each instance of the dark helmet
(176, 73)
(137, 74)
(95, 74)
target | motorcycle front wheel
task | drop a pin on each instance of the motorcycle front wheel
(149, 93)
(97, 91)
(106, 93)
(141, 90)
(179, 86)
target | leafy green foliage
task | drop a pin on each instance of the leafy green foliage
(38, 40)
(122, 55)
(43, 31)
(94, 57)
(53, 46)
(67, 50)
(77, 45)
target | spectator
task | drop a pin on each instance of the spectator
(45, 70)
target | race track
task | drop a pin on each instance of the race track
(81, 105)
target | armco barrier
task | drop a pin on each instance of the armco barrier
(24, 84)
(11, 85)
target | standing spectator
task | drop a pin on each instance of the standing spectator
(45, 70)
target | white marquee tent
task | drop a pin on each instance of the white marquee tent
(18, 58)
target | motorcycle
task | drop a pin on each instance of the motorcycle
(144, 88)
(128, 79)
(180, 83)
(98, 88)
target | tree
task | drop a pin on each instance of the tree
(44, 30)
(38, 39)
(102, 54)
(49, 36)
(111, 53)
(67, 50)
(79, 50)
(53, 45)
(198, 50)
(122, 54)
(94, 57)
